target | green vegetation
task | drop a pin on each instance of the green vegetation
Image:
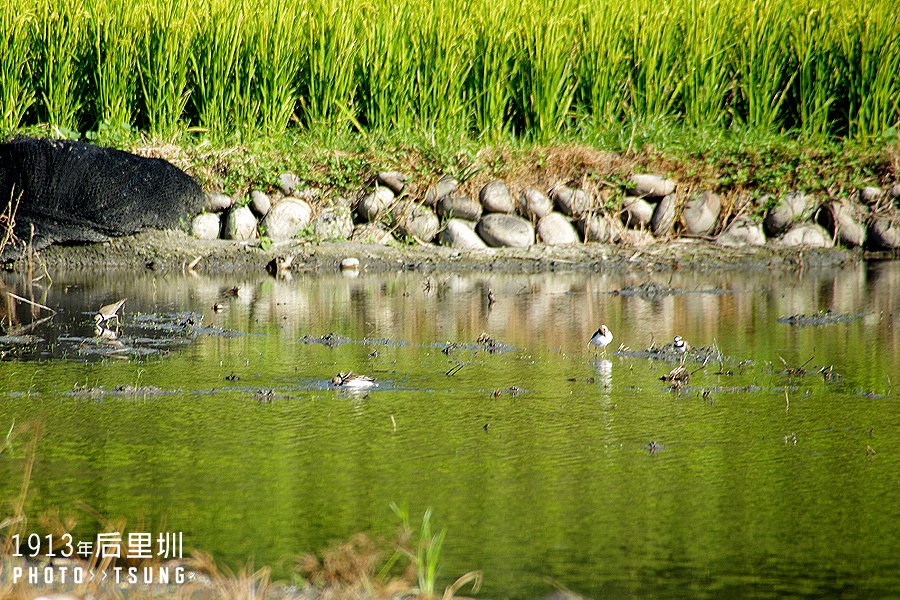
(537, 69)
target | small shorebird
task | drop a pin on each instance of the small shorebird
(680, 346)
(352, 380)
(108, 312)
(601, 338)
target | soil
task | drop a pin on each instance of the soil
(175, 251)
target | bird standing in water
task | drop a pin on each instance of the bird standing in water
(108, 312)
(680, 346)
(601, 338)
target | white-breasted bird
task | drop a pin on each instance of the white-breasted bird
(352, 380)
(601, 338)
(680, 346)
(108, 312)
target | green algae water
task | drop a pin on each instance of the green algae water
(771, 472)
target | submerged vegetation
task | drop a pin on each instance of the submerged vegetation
(537, 70)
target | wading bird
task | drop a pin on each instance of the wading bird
(601, 338)
(108, 312)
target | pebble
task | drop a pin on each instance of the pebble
(556, 230)
(240, 224)
(636, 212)
(218, 202)
(375, 204)
(445, 186)
(416, 220)
(460, 234)
(333, 223)
(807, 235)
(206, 226)
(499, 229)
(570, 201)
(742, 232)
(350, 263)
(701, 213)
(534, 204)
(288, 183)
(793, 207)
(459, 206)
(371, 233)
(598, 228)
(884, 233)
(495, 198)
(663, 218)
(839, 220)
(260, 203)
(393, 180)
(651, 186)
(287, 218)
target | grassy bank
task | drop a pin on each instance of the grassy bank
(537, 70)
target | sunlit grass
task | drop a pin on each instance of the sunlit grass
(535, 68)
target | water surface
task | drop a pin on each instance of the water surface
(774, 470)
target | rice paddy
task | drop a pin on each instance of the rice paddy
(537, 70)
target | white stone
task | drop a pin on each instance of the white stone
(742, 232)
(499, 229)
(461, 235)
(260, 203)
(807, 235)
(376, 204)
(287, 218)
(207, 226)
(240, 224)
(534, 204)
(651, 186)
(218, 202)
(556, 230)
(636, 212)
(495, 198)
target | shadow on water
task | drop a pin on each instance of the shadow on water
(210, 408)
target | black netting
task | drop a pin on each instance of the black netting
(74, 192)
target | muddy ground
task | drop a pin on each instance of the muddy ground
(175, 251)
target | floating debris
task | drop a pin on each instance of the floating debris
(653, 447)
(823, 317)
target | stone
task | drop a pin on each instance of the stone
(416, 220)
(393, 180)
(636, 212)
(207, 226)
(556, 230)
(534, 204)
(445, 186)
(461, 235)
(500, 229)
(870, 194)
(495, 198)
(240, 224)
(701, 213)
(792, 208)
(351, 263)
(742, 232)
(287, 218)
(807, 235)
(288, 183)
(375, 204)
(218, 202)
(663, 216)
(598, 228)
(570, 201)
(637, 237)
(839, 219)
(651, 186)
(333, 223)
(884, 233)
(459, 206)
(894, 192)
(371, 233)
(260, 203)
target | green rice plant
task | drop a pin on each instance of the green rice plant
(113, 61)
(163, 47)
(59, 41)
(328, 62)
(658, 73)
(223, 68)
(546, 76)
(441, 46)
(763, 62)
(708, 41)
(387, 65)
(816, 86)
(276, 47)
(489, 89)
(871, 46)
(16, 91)
(604, 62)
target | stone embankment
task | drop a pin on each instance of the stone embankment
(646, 209)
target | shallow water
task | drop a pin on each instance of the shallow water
(767, 477)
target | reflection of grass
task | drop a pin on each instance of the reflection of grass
(352, 569)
